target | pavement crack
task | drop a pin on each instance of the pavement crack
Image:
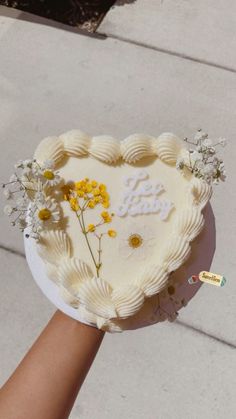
(12, 251)
(202, 332)
(169, 52)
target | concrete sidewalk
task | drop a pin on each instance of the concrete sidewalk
(159, 69)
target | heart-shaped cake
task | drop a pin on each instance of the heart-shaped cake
(108, 224)
(116, 219)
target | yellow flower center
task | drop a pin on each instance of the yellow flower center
(48, 174)
(135, 240)
(44, 214)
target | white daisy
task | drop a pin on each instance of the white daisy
(47, 174)
(136, 241)
(50, 178)
(44, 212)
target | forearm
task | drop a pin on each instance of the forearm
(48, 379)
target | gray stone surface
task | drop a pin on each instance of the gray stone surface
(165, 371)
(161, 372)
(23, 312)
(203, 30)
(51, 81)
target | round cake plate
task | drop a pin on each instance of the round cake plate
(47, 286)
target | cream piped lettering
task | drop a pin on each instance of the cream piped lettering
(141, 196)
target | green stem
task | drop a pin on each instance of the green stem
(99, 251)
(82, 224)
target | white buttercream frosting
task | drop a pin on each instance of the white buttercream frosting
(50, 148)
(105, 148)
(136, 147)
(75, 142)
(201, 192)
(189, 223)
(72, 273)
(175, 253)
(128, 299)
(153, 280)
(95, 295)
(168, 147)
(54, 246)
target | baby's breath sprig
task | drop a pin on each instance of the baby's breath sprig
(84, 196)
(26, 191)
(202, 160)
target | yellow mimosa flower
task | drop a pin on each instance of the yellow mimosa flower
(106, 204)
(106, 217)
(91, 204)
(74, 204)
(102, 187)
(97, 199)
(80, 193)
(112, 233)
(88, 188)
(96, 192)
(94, 184)
(78, 185)
(91, 228)
(104, 195)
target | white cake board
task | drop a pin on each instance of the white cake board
(47, 286)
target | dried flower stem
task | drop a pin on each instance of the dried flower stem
(82, 225)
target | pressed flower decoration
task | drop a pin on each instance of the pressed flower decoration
(31, 203)
(202, 160)
(84, 196)
(136, 240)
